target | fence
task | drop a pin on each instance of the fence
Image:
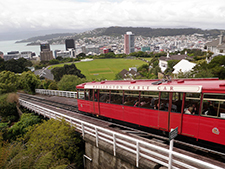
(57, 93)
(140, 148)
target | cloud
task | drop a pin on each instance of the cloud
(77, 14)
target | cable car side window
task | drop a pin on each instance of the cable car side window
(116, 96)
(192, 103)
(177, 102)
(164, 101)
(213, 105)
(80, 94)
(104, 96)
(86, 94)
(149, 99)
(131, 98)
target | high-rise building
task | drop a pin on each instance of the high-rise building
(45, 46)
(70, 44)
(128, 43)
(46, 53)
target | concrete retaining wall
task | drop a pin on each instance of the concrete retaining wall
(103, 158)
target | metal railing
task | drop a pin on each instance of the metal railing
(57, 93)
(140, 148)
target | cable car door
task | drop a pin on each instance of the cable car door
(162, 106)
(175, 116)
(95, 107)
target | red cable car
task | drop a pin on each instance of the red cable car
(195, 106)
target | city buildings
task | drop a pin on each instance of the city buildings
(70, 46)
(46, 53)
(128, 43)
(217, 46)
(12, 55)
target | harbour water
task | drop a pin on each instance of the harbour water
(8, 46)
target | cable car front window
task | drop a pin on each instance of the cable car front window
(80, 93)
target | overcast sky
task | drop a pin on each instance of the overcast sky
(32, 15)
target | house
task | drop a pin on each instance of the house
(183, 66)
(127, 75)
(163, 60)
(217, 46)
(44, 73)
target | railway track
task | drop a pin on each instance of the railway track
(213, 154)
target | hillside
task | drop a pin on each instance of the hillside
(118, 31)
(47, 37)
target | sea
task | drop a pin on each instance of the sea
(11, 45)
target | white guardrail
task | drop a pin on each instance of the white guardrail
(57, 93)
(140, 148)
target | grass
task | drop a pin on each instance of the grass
(104, 68)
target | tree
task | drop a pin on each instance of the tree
(217, 65)
(201, 70)
(2, 64)
(58, 72)
(8, 82)
(51, 144)
(82, 55)
(57, 138)
(53, 86)
(8, 111)
(21, 127)
(17, 66)
(69, 82)
(29, 81)
(53, 62)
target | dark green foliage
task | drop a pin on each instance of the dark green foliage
(53, 62)
(69, 82)
(8, 111)
(171, 64)
(58, 72)
(51, 144)
(21, 127)
(45, 84)
(29, 81)
(17, 66)
(217, 65)
(59, 58)
(53, 86)
(82, 55)
(8, 82)
(57, 138)
(2, 64)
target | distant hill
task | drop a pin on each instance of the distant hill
(118, 31)
(150, 32)
(46, 37)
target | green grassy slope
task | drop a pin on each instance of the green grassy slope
(105, 68)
